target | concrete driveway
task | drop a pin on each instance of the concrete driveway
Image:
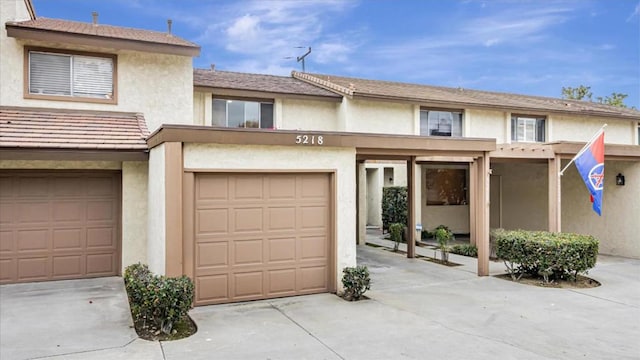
(417, 310)
(63, 317)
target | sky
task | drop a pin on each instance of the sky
(527, 47)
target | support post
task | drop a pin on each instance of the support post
(555, 199)
(361, 203)
(473, 189)
(173, 211)
(482, 215)
(411, 218)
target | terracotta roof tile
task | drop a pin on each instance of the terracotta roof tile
(461, 97)
(100, 30)
(71, 129)
(257, 82)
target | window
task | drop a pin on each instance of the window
(71, 75)
(242, 114)
(446, 186)
(440, 123)
(527, 128)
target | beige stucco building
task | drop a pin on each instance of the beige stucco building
(260, 186)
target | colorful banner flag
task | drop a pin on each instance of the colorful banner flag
(590, 165)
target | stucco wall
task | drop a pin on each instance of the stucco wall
(571, 128)
(618, 229)
(309, 115)
(342, 160)
(376, 180)
(156, 231)
(134, 212)
(524, 195)
(485, 124)
(379, 117)
(158, 85)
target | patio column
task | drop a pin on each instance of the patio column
(361, 203)
(482, 214)
(173, 210)
(411, 218)
(555, 198)
(473, 189)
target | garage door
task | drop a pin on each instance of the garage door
(260, 236)
(58, 225)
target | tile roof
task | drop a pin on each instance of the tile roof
(71, 129)
(461, 97)
(103, 31)
(257, 82)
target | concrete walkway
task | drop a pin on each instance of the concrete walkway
(417, 310)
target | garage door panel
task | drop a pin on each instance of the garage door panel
(67, 239)
(313, 217)
(313, 247)
(281, 250)
(101, 264)
(276, 231)
(247, 219)
(282, 187)
(69, 211)
(36, 268)
(7, 190)
(212, 254)
(313, 278)
(33, 212)
(281, 218)
(33, 240)
(247, 187)
(281, 281)
(248, 284)
(212, 221)
(61, 225)
(30, 187)
(67, 266)
(212, 288)
(248, 252)
(68, 187)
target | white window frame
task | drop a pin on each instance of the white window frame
(429, 130)
(82, 92)
(260, 102)
(518, 121)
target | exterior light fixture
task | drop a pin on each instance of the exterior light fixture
(620, 179)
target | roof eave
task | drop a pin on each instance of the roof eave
(460, 104)
(43, 153)
(20, 32)
(264, 94)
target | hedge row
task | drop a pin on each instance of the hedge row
(540, 253)
(158, 301)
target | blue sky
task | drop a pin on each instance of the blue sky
(526, 47)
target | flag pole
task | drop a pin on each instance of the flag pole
(584, 148)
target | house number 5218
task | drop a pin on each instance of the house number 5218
(310, 139)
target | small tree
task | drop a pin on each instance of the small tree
(444, 236)
(356, 282)
(396, 230)
(394, 206)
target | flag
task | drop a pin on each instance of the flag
(590, 165)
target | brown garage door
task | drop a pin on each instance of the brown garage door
(58, 225)
(260, 236)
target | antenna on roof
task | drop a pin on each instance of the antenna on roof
(301, 57)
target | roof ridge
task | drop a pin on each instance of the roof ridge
(321, 82)
(142, 125)
(239, 72)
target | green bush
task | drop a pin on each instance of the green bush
(356, 282)
(465, 250)
(396, 230)
(158, 301)
(549, 255)
(394, 206)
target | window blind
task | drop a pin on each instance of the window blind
(49, 74)
(92, 77)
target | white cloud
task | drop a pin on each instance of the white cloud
(636, 12)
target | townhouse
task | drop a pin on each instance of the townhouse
(114, 150)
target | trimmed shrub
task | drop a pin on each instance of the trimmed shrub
(356, 282)
(394, 206)
(465, 250)
(549, 255)
(396, 230)
(158, 301)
